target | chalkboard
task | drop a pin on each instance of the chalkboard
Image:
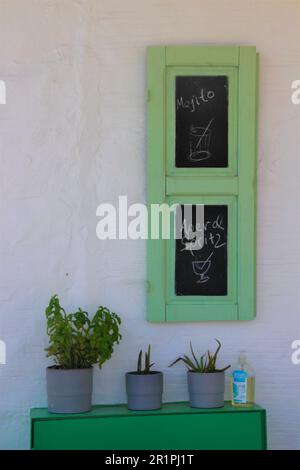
(201, 108)
(202, 271)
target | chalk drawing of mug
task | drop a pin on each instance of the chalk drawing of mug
(199, 142)
(200, 268)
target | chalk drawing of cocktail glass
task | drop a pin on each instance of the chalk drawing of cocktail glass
(199, 142)
(201, 267)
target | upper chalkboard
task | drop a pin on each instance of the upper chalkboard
(201, 108)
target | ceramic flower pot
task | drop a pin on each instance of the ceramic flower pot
(69, 390)
(206, 390)
(144, 391)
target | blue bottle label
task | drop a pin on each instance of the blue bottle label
(239, 386)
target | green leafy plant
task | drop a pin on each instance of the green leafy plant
(148, 364)
(78, 342)
(205, 364)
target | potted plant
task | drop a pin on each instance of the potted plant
(206, 383)
(76, 343)
(144, 387)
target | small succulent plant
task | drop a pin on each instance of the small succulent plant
(148, 364)
(204, 364)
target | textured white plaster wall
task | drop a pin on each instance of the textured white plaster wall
(72, 135)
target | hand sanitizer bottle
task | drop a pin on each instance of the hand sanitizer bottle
(242, 385)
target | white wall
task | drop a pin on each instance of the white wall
(72, 135)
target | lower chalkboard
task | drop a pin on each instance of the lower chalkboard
(201, 265)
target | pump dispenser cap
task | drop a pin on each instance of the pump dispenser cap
(242, 358)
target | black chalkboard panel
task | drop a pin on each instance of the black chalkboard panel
(201, 108)
(202, 271)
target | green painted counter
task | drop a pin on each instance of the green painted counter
(176, 426)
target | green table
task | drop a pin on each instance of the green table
(176, 426)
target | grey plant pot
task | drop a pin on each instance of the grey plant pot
(206, 390)
(69, 390)
(144, 391)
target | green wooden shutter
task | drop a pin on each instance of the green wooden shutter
(233, 186)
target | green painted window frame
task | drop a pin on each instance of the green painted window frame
(234, 185)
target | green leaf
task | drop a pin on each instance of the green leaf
(139, 362)
(175, 362)
(194, 356)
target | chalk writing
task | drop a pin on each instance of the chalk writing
(201, 267)
(199, 142)
(192, 103)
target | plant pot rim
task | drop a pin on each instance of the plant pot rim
(57, 368)
(153, 372)
(206, 373)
